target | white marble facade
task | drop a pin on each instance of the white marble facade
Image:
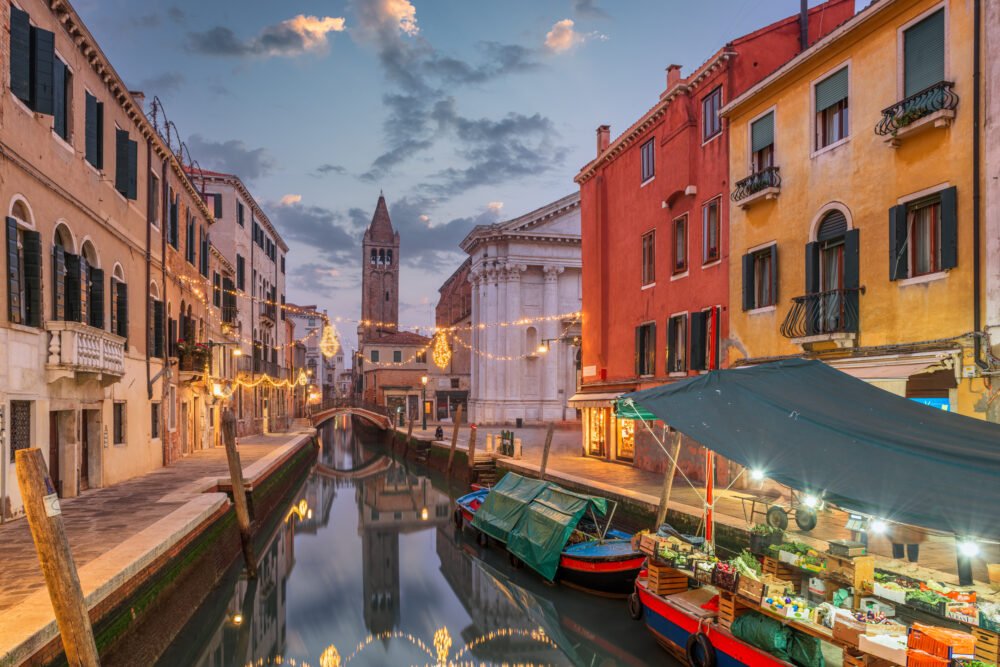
(525, 269)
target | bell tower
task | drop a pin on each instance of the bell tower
(380, 276)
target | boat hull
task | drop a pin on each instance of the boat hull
(610, 576)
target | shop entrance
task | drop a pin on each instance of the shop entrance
(89, 438)
(596, 429)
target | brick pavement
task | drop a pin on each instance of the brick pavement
(100, 519)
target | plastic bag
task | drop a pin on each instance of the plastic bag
(805, 650)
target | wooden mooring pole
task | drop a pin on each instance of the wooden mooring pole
(409, 434)
(454, 436)
(41, 505)
(545, 451)
(668, 480)
(239, 491)
(472, 447)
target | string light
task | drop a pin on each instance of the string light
(329, 344)
(442, 353)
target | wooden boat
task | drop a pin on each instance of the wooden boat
(591, 556)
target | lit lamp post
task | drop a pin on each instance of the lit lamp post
(423, 400)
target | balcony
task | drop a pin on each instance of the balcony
(823, 317)
(763, 184)
(932, 107)
(268, 312)
(76, 348)
(262, 367)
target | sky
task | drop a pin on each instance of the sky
(462, 112)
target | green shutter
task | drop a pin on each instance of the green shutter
(20, 54)
(13, 273)
(899, 263)
(32, 278)
(218, 206)
(58, 283)
(698, 334)
(831, 90)
(90, 130)
(121, 162)
(671, 345)
(59, 99)
(949, 228)
(73, 288)
(762, 132)
(923, 54)
(96, 301)
(132, 169)
(43, 57)
(748, 283)
(157, 329)
(121, 309)
(774, 275)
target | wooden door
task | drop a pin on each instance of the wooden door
(54, 452)
(85, 450)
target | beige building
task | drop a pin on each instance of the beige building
(93, 201)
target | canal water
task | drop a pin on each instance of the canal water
(367, 568)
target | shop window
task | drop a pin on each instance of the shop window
(626, 440)
(677, 344)
(596, 430)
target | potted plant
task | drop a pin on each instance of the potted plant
(763, 536)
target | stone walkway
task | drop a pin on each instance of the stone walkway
(100, 519)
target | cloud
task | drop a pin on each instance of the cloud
(562, 37)
(161, 84)
(176, 14)
(233, 157)
(290, 199)
(320, 229)
(145, 21)
(320, 276)
(326, 169)
(292, 37)
(495, 206)
(589, 9)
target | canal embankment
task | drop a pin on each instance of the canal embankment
(144, 549)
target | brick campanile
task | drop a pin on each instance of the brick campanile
(380, 276)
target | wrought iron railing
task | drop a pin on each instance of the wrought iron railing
(768, 177)
(906, 112)
(835, 311)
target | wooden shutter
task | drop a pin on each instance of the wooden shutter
(923, 54)
(13, 274)
(84, 290)
(852, 278)
(58, 283)
(121, 161)
(749, 300)
(216, 289)
(812, 287)
(72, 287)
(90, 130)
(899, 258)
(671, 344)
(282, 306)
(96, 300)
(158, 329)
(59, 98)
(189, 247)
(32, 278)
(113, 310)
(218, 206)
(132, 169)
(762, 132)
(831, 90)
(638, 348)
(121, 309)
(43, 55)
(698, 348)
(171, 337)
(949, 228)
(20, 54)
(774, 276)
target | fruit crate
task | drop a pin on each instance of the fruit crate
(665, 580)
(725, 581)
(730, 608)
(751, 589)
(987, 645)
(783, 571)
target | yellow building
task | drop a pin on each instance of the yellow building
(852, 205)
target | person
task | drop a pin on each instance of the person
(439, 433)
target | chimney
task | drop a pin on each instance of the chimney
(673, 75)
(803, 25)
(138, 96)
(603, 138)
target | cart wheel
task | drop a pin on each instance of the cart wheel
(634, 606)
(777, 518)
(805, 518)
(482, 539)
(515, 562)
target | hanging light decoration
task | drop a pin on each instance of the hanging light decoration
(329, 344)
(442, 353)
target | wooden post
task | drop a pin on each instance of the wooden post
(668, 481)
(409, 434)
(545, 450)
(41, 504)
(239, 491)
(454, 436)
(472, 447)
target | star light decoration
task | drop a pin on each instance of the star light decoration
(441, 352)
(329, 344)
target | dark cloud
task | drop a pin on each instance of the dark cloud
(327, 169)
(232, 157)
(589, 9)
(292, 37)
(318, 228)
(161, 84)
(315, 277)
(499, 60)
(219, 89)
(217, 41)
(176, 14)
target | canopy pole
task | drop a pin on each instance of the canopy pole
(710, 497)
(668, 481)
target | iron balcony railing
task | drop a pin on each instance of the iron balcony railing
(938, 97)
(835, 311)
(768, 177)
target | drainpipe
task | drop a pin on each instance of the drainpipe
(149, 270)
(164, 393)
(977, 269)
(803, 25)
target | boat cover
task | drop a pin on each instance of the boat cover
(505, 504)
(543, 530)
(817, 429)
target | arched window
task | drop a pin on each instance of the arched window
(388, 257)
(119, 302)
(24, 266)
(832, 275)
(91, 286)
(62, 244)
(531, 339)
(381, 257)
(374, 257)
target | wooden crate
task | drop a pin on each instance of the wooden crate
(783, 571)
(665, 580)
(987, 645)
(730, 608)
(858, 571)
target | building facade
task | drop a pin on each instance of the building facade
(655, 217)
(453, 314)
(525, 271)
(379, 275)
(309, 323)
(863, 254)
(96, 267)
(990, 20)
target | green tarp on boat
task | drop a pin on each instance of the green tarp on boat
(534, 519)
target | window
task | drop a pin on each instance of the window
(241, 271)
(154, 199)
(32, 61)
(172, 408)
(832, 123)
(24, 275)
(705, 339)
(374, 356)
(282, 263)
(20, 427)
(94, 281)
(311, 322)
(126, 165)
(216, 289)
(711, 124)
(421, 357)
(648, 258)
(645, 349)
(190, 249)
(760, 278)
(154, 420)
(119, 308)
(454, 383)
(156, 348)
(239, 214)
(677, 344)
(762, 142)
(923, 54)
(680, 245)
(62, 99)
(174, 230)
(397, 356)
(94, 131)
(710, 231)
(923, 235)
(217, 205)
(648, 166)
(119, 422)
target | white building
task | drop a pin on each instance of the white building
(526, 269)
(309, 324)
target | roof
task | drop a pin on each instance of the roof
(398, 338)
(236, 182)
(523, 224)
(380, 230)
(821, 431)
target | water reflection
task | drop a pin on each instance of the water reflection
(365, 567)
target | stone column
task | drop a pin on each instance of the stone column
(472, 337)
(491, 343)
(550, 329)
(500, 366)
(515, 342)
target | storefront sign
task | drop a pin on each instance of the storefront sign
(939, 403)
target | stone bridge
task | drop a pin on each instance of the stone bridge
(375, 414)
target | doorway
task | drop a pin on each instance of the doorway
(54, 453)
(85, 443)
(185, 428)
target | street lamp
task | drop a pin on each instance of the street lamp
(423, 400)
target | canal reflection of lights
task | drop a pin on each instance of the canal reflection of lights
(237, 619)
(424, 514)
(442, 645)
(300, 510)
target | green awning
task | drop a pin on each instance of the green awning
(629, 409)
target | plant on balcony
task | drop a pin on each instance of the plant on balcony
(195, 351)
